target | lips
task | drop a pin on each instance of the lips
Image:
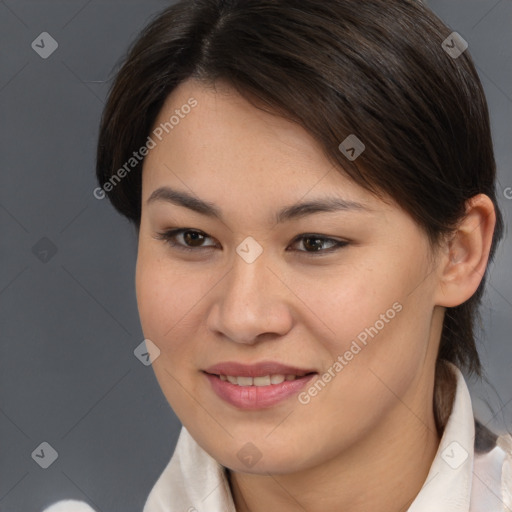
(261, 369)
(257, 386)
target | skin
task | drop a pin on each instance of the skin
(367, 440)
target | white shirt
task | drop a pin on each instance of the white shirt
(459, 480)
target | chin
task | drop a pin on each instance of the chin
(255, 458)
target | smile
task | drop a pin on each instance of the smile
(250, 393)
(265, 380)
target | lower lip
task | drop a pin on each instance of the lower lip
(256, 397)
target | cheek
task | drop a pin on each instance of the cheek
(158, 302)
(149, 295)
(353, 301)
(168, 300)
(164, 299)
(374, 318)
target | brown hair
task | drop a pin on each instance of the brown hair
(376, 69)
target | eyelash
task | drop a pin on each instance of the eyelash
(168, 238)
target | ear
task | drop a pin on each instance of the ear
(465, 255)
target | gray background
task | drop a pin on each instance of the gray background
(69, 320)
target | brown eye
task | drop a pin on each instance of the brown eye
(313, 244)
(192, 239)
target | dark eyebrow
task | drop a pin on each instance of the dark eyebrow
(294, 211)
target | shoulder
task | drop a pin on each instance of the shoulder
(69, 506)
(504, 442)
(492, 476)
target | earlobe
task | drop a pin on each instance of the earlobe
(466, 253)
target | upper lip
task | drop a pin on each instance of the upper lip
(261, 369)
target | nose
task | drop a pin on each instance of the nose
(250, 302)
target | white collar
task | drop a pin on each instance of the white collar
(458, 481)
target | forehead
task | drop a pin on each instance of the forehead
(222, 118)
(226, 145)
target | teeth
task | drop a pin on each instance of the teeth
(266, 380)
(244, 381)
(262, 381)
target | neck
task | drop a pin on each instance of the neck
(384, 471)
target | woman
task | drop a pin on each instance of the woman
(313, 187)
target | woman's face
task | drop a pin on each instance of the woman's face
(360, 315)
